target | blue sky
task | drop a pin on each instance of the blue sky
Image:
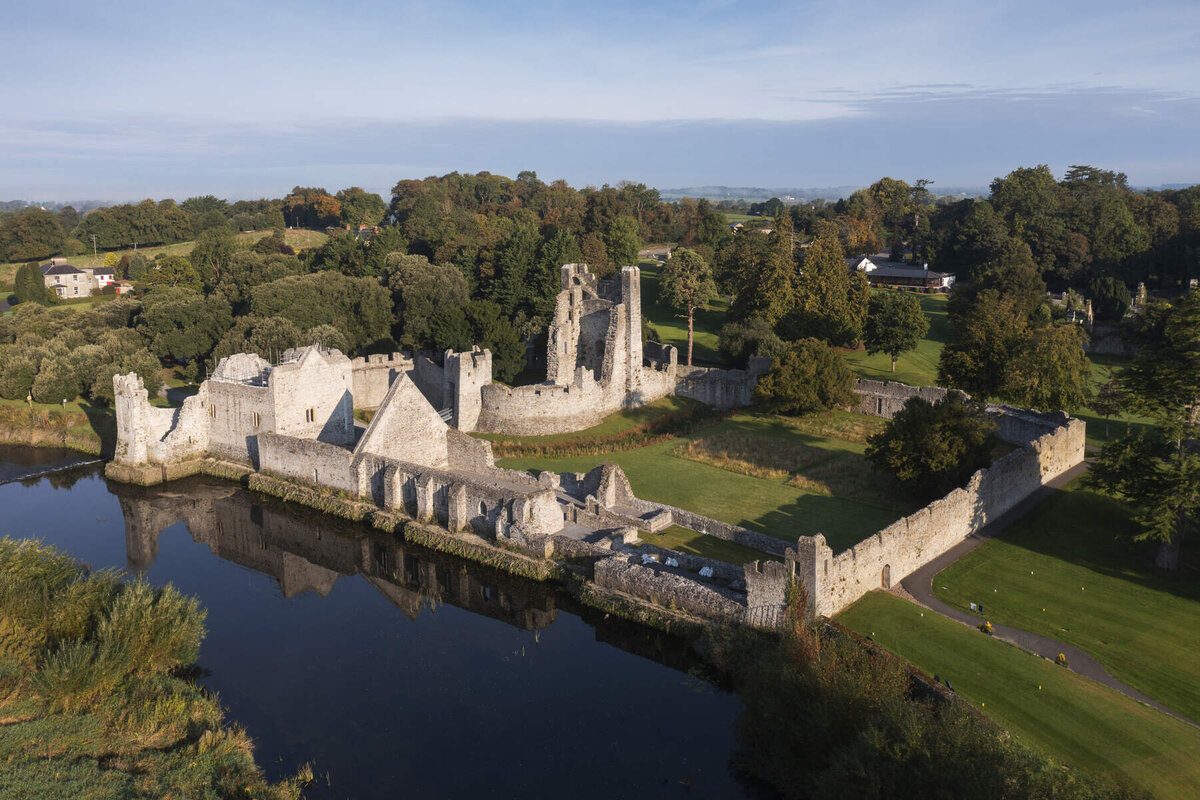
(124, 100)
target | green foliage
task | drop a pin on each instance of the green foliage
(986, 340)
(181, 323)
(480, 322)
(31, 233)
(1160, 479)
(90, 703)
(686, 283)
(1110, 298)
(1051, 371)
(269, 337)
(895, 324)
(752, 338)
(831, 301)
(30, 287)
(169, 271)
(360, 207)
(932, 448)
(359, 307)
(864, 733)
(622, 240)
(215, 248)
(807, 378)
(159, 629)
(144, 223)
(418, 290)
(311, 208)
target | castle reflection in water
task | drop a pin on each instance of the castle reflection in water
(308, 551)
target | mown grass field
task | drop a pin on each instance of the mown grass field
(1071, 571)
(919, 367)
(1043, 705)
(298, 239)
(775, 506)
(686, 541)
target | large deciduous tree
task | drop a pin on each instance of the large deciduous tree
(1051, 371)
(686, 283)
(895, 324)
(808, 377)
(931, 448)
(831, 300)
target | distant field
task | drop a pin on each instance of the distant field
(298, 239)
(1071, 572)
(1042, 705)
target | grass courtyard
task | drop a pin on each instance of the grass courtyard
(783, 477)
(916, 368)
(1043, 705)
(1070, 571)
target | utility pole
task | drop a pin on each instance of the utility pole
(94, 246)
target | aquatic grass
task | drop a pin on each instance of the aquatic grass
(101, 712)
(160, 629)
(80, 673)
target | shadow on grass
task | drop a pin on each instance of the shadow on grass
(103, 422)
(1087, 529)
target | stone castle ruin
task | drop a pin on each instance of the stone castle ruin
(294, 421)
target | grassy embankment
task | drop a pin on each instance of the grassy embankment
(97, 690)
(1070, 571)
(297, 239)
(1043, 705)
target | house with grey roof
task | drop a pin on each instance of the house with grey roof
(65, 280)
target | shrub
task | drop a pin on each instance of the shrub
(161, 629)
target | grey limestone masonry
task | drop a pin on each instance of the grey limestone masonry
(294, 420)
(834, 581)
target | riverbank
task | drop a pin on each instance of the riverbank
(93, 701)
(92, 431)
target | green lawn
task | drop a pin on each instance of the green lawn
(613, 424)
(1064, 572)
(1042, 705)
(688, 541)
(672, 328)
(919, 367)
(772, 506)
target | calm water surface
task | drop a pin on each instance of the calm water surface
(396, 671)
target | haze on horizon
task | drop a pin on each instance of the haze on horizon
(134, 99)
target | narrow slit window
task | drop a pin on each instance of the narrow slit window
(310, 415)
(255, 418)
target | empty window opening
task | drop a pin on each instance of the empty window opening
(255, 419)
(482, 509)
(310, 415)
(212, 411)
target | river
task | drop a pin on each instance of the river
(395, 671)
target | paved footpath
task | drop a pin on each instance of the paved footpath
(919, 587)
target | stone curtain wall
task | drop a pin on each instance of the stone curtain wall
(834, 582)
(715, 528)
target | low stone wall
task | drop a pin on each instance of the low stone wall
(885, 398)
(834, 582)
(667, 589)
(715, 528)
(721, 388)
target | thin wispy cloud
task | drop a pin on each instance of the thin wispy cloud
(124, 81)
